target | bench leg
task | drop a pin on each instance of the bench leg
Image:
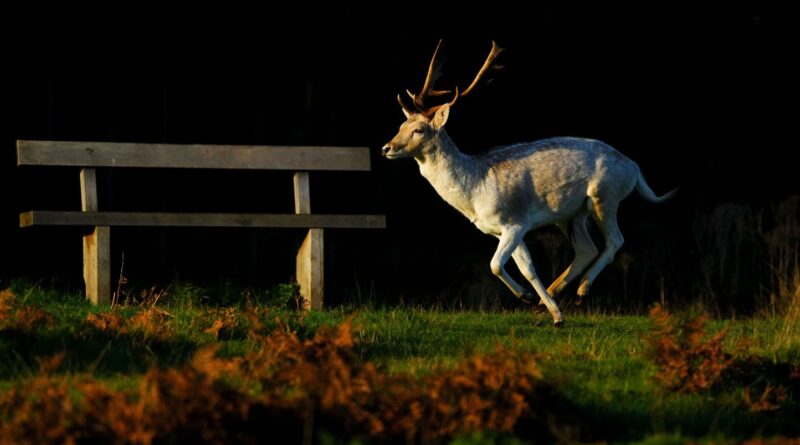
(96, 246)
(310, 261)
(97, 265)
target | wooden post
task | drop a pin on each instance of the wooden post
(96, 246)
(311, 254)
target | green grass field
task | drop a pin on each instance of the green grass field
(599, 362)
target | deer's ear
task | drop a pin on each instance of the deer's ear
(440, 117)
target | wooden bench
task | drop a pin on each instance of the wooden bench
(96, 243)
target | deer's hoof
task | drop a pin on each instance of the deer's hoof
(526, 298)
(558, 324)
(583, 290)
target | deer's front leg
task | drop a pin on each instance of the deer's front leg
(525, 263)
(509, 240)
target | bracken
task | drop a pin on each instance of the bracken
(288, 388)
(687, 359)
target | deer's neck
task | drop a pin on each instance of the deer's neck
(453, 174)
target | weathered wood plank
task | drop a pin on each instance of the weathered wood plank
(96, 245)
(251, 157)
(310, 269)
(67, 218)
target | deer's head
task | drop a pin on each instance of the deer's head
(419, 134)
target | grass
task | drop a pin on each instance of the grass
(598, 361)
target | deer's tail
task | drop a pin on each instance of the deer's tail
(647, 193)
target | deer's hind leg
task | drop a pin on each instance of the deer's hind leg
(605, 215)
(585, 251)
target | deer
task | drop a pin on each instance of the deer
(510, 190)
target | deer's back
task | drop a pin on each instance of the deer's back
(548, 180)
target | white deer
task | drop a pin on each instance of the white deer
(511, 190)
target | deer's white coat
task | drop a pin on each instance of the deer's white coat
(511, 190)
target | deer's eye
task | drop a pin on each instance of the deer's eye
(418, 130)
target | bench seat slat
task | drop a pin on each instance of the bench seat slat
(322, 221)
(248, 157)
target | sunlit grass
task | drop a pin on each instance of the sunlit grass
(598, 361)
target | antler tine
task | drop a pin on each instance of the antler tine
(404, 106)
(496, 50)
(434, 72)
(432, 110)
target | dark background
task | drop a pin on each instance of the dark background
(700, 97)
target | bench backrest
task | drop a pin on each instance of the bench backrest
(249, 157)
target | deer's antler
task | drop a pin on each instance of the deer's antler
(435, 72)
(488, 64)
